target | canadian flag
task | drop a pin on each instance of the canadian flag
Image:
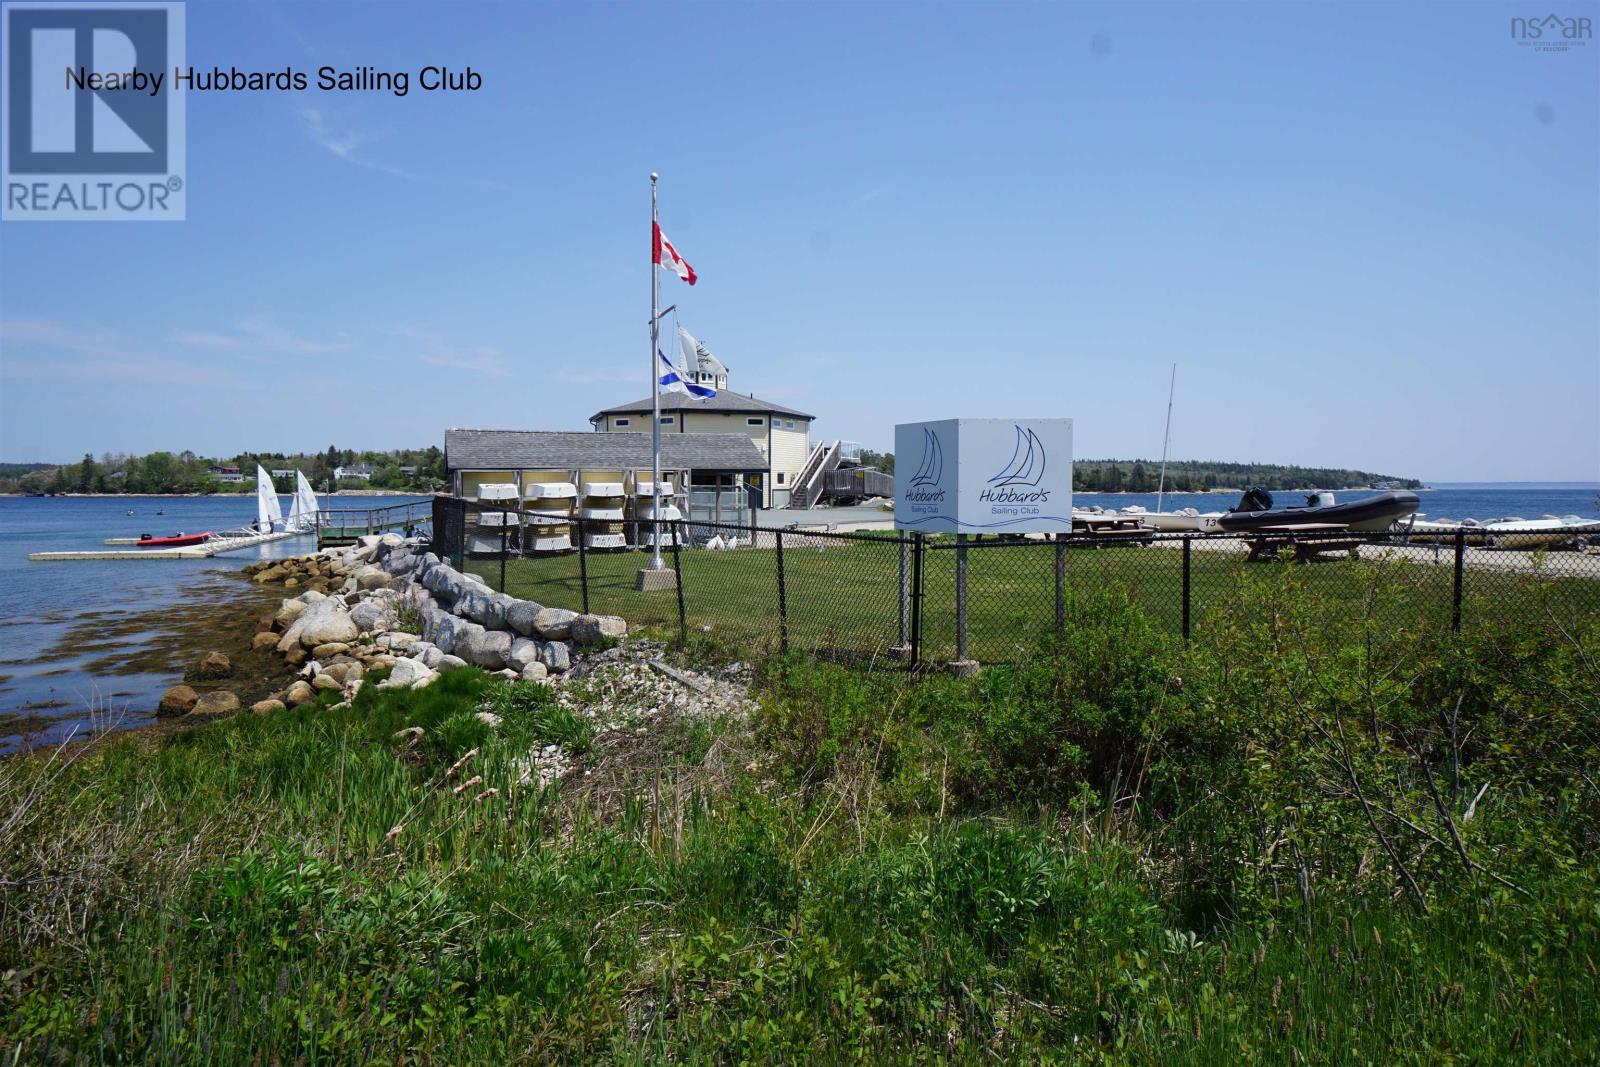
(668, 259)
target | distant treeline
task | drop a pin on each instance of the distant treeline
(402, 470)
(1194, 476)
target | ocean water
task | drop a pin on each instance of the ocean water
(1448, 500)
(89, 607)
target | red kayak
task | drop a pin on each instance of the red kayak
(175, 541)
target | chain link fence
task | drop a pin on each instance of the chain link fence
(917, 600)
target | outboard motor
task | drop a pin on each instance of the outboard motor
(1320, 499)
(1255, 499)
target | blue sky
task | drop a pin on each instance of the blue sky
(1369, 235)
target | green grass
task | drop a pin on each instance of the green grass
(1116, 850)
(846, 595)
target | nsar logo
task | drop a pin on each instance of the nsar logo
(1553, 33)
(94, 127)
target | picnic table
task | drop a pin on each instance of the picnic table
(1309, 540)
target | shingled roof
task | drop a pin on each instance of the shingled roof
(576, 450)
(724, 401)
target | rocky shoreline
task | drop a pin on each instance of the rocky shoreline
(386, 605)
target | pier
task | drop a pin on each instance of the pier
(215, 546)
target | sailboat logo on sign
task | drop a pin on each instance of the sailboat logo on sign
(1018, 481)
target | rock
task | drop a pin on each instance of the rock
(486, 648)
(594, 629)
(488, 718)
(330, 650)
(371, 616)
(556, 656)
(372, 577)
(271, 574)
(448, 632)
(265, 623)
(378, 663)
(291, 583)
(263, 640)
(450, 663)
(326, 681)
(211, 705)
(520, 616)
(326, 622)
(428, 654)
(554, 624)
(311, 596)
(398, 641)
(535, 672)
(391, 540)
(295, 656)
(523, 652)
(344, 673)
(476, 579)
(177, 701)
(408, 674)
(214, 665)
(266, 707)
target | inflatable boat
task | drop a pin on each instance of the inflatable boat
(1256, 512)
(177, 540)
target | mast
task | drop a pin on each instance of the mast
(655, 389)
(1161, 488)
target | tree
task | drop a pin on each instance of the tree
(88, 474)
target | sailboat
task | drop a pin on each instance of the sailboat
(1027, 462)
(303, 508)
(269, 515)
(932, 468)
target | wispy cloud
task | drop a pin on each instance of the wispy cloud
(341, 136)
(596, 377)
(103, 357)
(485, 360)
(260, 334)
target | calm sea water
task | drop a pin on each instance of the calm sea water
(40, 603)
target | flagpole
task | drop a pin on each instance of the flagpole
(1166, 439)
(655, 389)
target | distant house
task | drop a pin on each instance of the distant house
(782, 435)
(225, 473)
(282, 473)
(360, 472)
(408, 471)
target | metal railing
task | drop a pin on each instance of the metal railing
(919, 600)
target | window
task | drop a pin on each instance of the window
(788, 424)
(755, 422)
(621, 422)
(668, 420)
(780, 477)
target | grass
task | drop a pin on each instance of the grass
(1268, 847)
(846, 594)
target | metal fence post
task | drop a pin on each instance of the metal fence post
(916, 597)
(1061, 584)
(504, 535)
(583, 566)
(905, 595)
(1188, 543)
(783, 597)
(683, 615)
(961, 596)
(1455, 595)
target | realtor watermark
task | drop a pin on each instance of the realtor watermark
(92, 130)
(1552, 32)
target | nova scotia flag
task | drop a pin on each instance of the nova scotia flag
(673, 382)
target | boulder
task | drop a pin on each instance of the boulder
(556, 656)
(311, 596)
(214, 665)
(372, 577)
(447, 632)
(326, 622)
(177, 701)
(326, 681)
(520, 616)
(408, 674)
(379, 662)
(450, 663)
(371, 616)
(263, 640)
(265, 623)
(266, 707)
(523, 652)
(554, 624)
(486, 648)
(535, 672)
(296, 656)
(344, 673)
(428, 654)
(271, 574)
(210, 705)
(594, 629)
(330, 650)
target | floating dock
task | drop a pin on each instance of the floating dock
(215, 546)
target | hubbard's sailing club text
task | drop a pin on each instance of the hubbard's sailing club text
(327, 79)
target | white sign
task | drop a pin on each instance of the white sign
(983, 476)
